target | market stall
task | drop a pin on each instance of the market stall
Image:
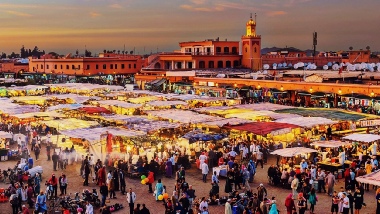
(182, 116)
(333, 163)
(325, 113)
(70, 124)
(165, 105)
(119, 107)
(372, 178)
(294, 151)
(307, 122)
(31, 100)
(362, 137)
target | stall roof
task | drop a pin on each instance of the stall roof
(291, 152)
(93, 134)
(70, 123)
(372, 178)
(95, 110)
(362, 137)
(262, 128)
(307, 121)
(118, 103)
(229, 121)
(183, 116)
(142, 99)
(264, 106)
(326, 113)
(159, 103)
(40, 114)
(76, 98)
(330, 143)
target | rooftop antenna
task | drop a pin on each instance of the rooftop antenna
(250, 16)
(255, 17)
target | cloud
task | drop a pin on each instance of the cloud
(16, 13)
(201, 9)
(19, 6)
(198, 2)
(94, 14)
(276, 13)
(115, 6)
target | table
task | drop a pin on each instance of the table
(333, 167)
(220, 170)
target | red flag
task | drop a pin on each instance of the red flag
(340, 70)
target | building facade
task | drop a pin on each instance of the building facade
(88, 66)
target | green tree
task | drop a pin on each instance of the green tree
(87, 53)
(3, 55)
(23, 52)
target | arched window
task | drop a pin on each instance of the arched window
(211, 64)
(202, 64)
(234, 50)
(228, 64)
(220, 64)
(226, 50)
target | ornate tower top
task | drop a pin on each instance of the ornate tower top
(251, 27)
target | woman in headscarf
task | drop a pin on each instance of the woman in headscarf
(159, 189)
(289, 204)
(273, 209)
(229, 181)
(41, 203)
(168, 168)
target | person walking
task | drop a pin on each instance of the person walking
(259, 158)
(89, 208)
(37, 151)
(261, 192)
(131, 198)
(159, 189)
(294, 186)
(104, 193)
(346, 204)
(64, 184)
(313, 200)
(289, 204)
(87, 172)
(48, 148)
(321, 180)
(377, 201)
(55, 159)
(111, 188)
(205, 169)
(53, 181)
(122, 181)
(227, 207)
(191, 194)
(358, 199)
(330, 182)
(301, 204)
(144, 210)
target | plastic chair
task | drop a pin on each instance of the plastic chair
(3, 198)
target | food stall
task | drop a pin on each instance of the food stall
(332, 164)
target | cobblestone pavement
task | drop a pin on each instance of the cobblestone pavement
(193, 177)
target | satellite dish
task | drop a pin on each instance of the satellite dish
(295, 66)
(335, 67)
(284, 64)
(358, 67)
(290, 65)
(329, 64)
(220, 75)
(266, 66)
(378, 68)
(350, 67)
(301, 64)
(325, 67)
(342, 64)
(279, 65)
(378, 64)
(274, 65)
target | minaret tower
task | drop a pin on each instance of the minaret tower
(251, 46)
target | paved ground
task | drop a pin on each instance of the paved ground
(193, 176)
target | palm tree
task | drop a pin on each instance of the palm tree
(368, 48)
(118, 52)
(351, 48)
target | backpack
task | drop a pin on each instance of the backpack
(14, 199)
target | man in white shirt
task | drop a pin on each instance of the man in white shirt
(214, 178)
(346, 204)
(204, 168)
(203, 204)
(232, 154)
(252, 148)
(202, 159)
(89, 208)
(131, 198)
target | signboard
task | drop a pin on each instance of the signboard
(367, 123)
(210, 84)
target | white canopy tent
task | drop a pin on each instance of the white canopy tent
(118, 104)
(70, 123)
(307, 121)
(183, 116)
(126, 118)
(159, 103)
(362, 137)
(74, 97)
(13, 108)
(372, 178)
(230, 121)
(47, 114)
(264, 106)
(330, 144)
(66, 106)
(291, 152)
(153, 126)
(93, 135)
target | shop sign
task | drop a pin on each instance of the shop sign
(211, 84)
(367, 123)
(202, 83)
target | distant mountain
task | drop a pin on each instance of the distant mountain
(289, 49)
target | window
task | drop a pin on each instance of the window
(96, 66)
(246, 50)
(211, 64)
(115, 66)
(226, 50)
(201, 64)
(220, 64)
(129, 65)
(134, 65)
(234, 50)
(42, 66)
(218, 50)
(122, 66)
(255, 49)
(228, 64)
(67, 67)
(73, 67)
(111, 66)
(47, 66)
(55, 66)
(61, 66)
(104, 66)
(79, 67)
(87, 67)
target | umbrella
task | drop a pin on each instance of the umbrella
(16, 136)
(5, 134)
(291, 152)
